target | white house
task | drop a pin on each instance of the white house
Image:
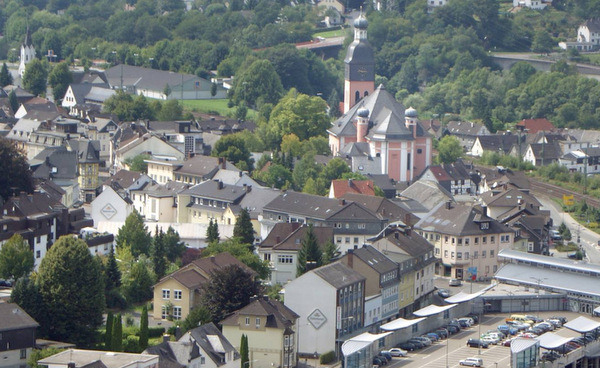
(531, 4)
(110, 206)
(77, 358)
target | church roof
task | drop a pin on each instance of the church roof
(27, 41)
(386, 117)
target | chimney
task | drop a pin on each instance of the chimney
(219, 184)
(248, 188)
(177, 333)
(223, 163)
(212, 259)
(342, 202)
(484, 210)
(349, 183)
(448, 204)
(407, 219)
(351, 258)
(396, 235)
(277, 239)
(220, 160)
(407, 231)
(166, 338)
(71, 365)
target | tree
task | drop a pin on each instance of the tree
(59, 79)
(334, 104)
(228, 289)
(5, 76)
(158, 254)
(197, 316)
(117, 334)
(276, 175)
(213, 89)
(335, 169)
(143, 343)
(15, 175)
(234, 149)
(330, 251)
(174, 247)
(449, 150)
(137, 163)
(137, 287)
(72, 289)
(170, 110)
(12, 99)
(35, 77)
(244, 352)
(167, 90)
(26, 293)
(310, 255)
(212, 232)
(241, 252)
(243, 228)
(258, 82)
(112, 273)
(108, 331)
(134, 235)
(16, 258)
(542, 42)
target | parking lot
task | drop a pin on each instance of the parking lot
(454, 349)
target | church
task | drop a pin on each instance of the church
(376, 132)
(27, 53)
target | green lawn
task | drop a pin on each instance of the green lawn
(216, 106)
(331, 33)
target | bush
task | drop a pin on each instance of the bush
(327, 357)
(129, 320)
(115, 300)
(155, 332)
(131, 344)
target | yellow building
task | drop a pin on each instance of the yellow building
(178, 293)
(271, 330)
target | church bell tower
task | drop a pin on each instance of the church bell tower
(359, 79)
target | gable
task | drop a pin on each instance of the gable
(354, 212)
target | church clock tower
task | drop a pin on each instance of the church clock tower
(360, 66)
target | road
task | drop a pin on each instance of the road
(589, 239)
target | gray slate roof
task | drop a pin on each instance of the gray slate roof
(428, 193)
(374, 259)
(15, 318)
(203, 336)
(217, 190)
(147, 78)
(338, 275)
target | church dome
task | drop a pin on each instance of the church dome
(410, 112)
(361, 22)
(363, 112)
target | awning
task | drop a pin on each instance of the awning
(400, 323)
(582, 325)
(463, 297)
(597, 310)
(432, 309)
(360, 342)
(519, 344)
(551, 340)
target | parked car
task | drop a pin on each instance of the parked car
(432, 336)
(555, 235)
(452, 329)
(454, 282)
(444, 293)
(533, 318)
(507, 330)
(424, 340)
(386, 355)
(442, 332)
(518, 325)
(474, 317)
(379, 361)
(397, 352)
(408, 346)
(557, 323)
(472, 362)
(490, 340)
(475, 343)
(383, 359)
(418, 344)
(5, 283)
(562, 319)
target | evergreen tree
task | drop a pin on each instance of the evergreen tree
(144, 329)
(137, 287)
(117, 334)
(212, 232)
(112, 272)
(108, 333)
(244, 353)
(330, 251)
(5, 76)
(243, 228)
(134, 234)
(72, 289)
(26, 294)
(159, 261)
(334, 104)
(310, 255)
(174, 247)
(12, 99)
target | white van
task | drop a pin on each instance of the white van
(472, 362)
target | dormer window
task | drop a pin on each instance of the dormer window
(484, 225)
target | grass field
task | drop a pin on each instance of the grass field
(216, 106)
(331, 33)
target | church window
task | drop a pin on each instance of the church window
(366, 93)
(357, 97)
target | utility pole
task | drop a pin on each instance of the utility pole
(543, 145)
(585, 165)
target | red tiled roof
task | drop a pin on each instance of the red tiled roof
(342, 186)
(439, 173)
(536, 125)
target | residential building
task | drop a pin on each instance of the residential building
(391, 210)
(382, 280)
(497, 143)
(272, 331)
(27, 53)
(77, 358)
(584, 160)
(194, 170)
(111, 205)
(151, 83)
(183, 135)
(466, 240)
(423, 195)
(102, 129)
(500, 201)
(157, 202)
(82, 98)
(17, 336)
(203, 346)
(143, 144)
(374, 125)
(533, 126)
(88, 166)
(532, 232)
(339, 187)
(208, 201)
(588, 34)
(456, 177)
(352, 223)
(432, 4)
(466, 132)
(282, 245)
(531, 4)
(500, 177)
(38, 108)
(253, 203)
(21, 131)
(179, 292)
(58, 166)
(415, 260)
(331, 298)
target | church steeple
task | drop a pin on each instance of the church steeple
(360, 66)
(27, 52)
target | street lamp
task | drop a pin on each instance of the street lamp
(539, 281)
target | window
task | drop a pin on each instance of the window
(285, 259)
(347, 240)
(437, 251)
(459, 241)
(164, 312)
(492, 239)
(176, 312)
(475, 255)
(476, 240)
(445, 239)
(445, 254)
(247, 321)
(459, 255)
(492, 253)
(355, 240)
(23, 353)
(467, 241)
(484, 240)
(166, 293)
(286, 341)
(419, 151)
(483, 254)
(452, 255)
(485, 225)
(38, 254)
(495, 268)
(257, 321)
(466, 255)
(177, 294)
(339, 240)
(361, 226)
